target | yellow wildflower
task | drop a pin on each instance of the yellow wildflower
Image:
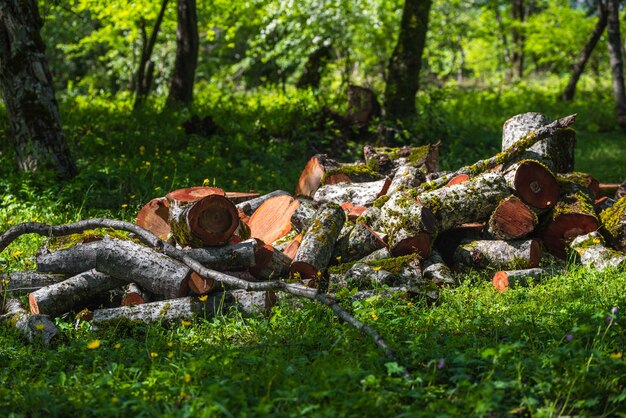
(9, 221)
(206, 182)
(376, 268)
(616, 356)
(93, 344)
(185, 323)
(203, 298)
(154, 355)
(170, 354)
(39, 327)
(115, 400)
(187, 378)
(170, 344)
(124, 205)
(118, 346)
(374, 316)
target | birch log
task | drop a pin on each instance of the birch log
(406, 177)
(33, 327)
(23, 282)
(135, 295)
(614, 224)
(520, 254)
(70, 261)
(71, 294)
(359, 242)
(593, 253)
(318, 242)
(360, 194)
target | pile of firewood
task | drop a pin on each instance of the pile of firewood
(392, 220)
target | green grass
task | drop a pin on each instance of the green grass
(551, 349)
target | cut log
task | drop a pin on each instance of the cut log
(291, 248)
(36, 328)
(534, 183)
(303, 215)
(318, 242)
(270, 263)
(602, 204)
(154, 216)
(134, 295)
(254, 302)
(399, 271)
(406, 177)
(71, 294)
(470, 201)
(411, 227)
(358, 243)
(584, 180)
(593, 253)
(70, 261)
(556, 151)
(614, 224)
(272, 220)
(608, 189)
(208, 221)
(511, 219)
(350, 173)
(353, 212)
(387, 160)
(240, 197)
(448, 241)
(248, 207)
(228, 257)
(458, 179)
(371, 217)
(505, 255)
(153, 271)
(381, 254)
(437, 270)
(166, 311)
(573, 215)
(621, 191)
(23, 282)
(361, 194)
(503, 280)
(507, 156)
(311, 177)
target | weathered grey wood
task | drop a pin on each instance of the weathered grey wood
(394, 272)
(505, 255)
(406, 177)
(73, 293)
(437, 270)
(270, 263)
(153, 271)
(359, 241)
(36, 328)
(248, 207)
(318, 242)
(361, 194)
(614, 224)
(71, 261)
(23, 282)
(228, 257)
(410, 226)
(371, 218)
(593, 252)
(302, 217)
(507, 279)
(377, 255)
(511, 219)
(556, 152)
(166, 311)
(505, 157)
(470, 201)
(253, 302)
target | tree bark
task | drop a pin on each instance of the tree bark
(617, 62)
(437, 270)
(26, 86)
(387, 160)
(520, 254)
(593, 253)
(72, 260)
(314, 67)
(33, 327)
(23, 282)
(518, 14)
(585, 54)
(614, 224)
(360, 194)
(270, 263)
(359, 242)
(238, 256)
(144, 75)
(187, 41)
(403, 70)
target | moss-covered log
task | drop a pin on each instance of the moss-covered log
(350, 173)
(399, 271)
(311, 177)
(573, 215)
(153, 271)
(387, 160)
(23, 282)
(447, 241)
(437, 270)
(357, 243)
(71, 294)
(70, 261)
(534, 183)
(303, 215)
(410, 226)
(154, 216)
(511, 219)
(510, 279)
(318, 242)
(505, 255)
(201, 217)
(593, 252)
(471, 201)
(584, 180)
(361, 194)
(614, 224)
(406, 177)
(36, 328)
(371, 217)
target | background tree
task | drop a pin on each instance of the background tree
(617, 63)
(406, 61)
(27, 89)
(187, 41)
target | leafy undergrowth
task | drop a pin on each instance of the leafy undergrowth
(552, 349)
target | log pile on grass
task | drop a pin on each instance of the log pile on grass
(392, 220)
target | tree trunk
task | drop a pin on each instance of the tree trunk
(518, 14)
(26, 86)
(143, 78)
(617, 62)
(270, 264)
(585, 54)
(187, 41)
(404, 66)
(314, 67)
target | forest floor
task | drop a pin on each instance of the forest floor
(555, 348)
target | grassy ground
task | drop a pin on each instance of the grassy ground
(552, 349)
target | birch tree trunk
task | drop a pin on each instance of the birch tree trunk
(26, 86)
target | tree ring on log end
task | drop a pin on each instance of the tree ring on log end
(501, 281)
(566, 227)
(213, 219)
(418, 244)
(536, 185)
(193, 194)
(200, 285)
(154, 217)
